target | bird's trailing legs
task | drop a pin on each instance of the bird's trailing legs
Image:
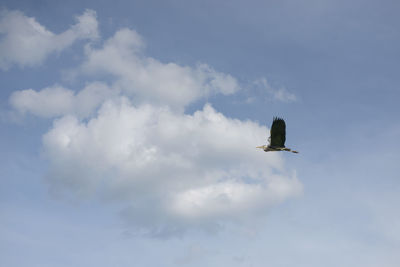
(269, 148)
(288, 149)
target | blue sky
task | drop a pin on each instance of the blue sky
(128, 133)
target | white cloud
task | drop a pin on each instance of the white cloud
(26, 42)
(57, 101)
(174, 170)
(150, 80)
(132, 142)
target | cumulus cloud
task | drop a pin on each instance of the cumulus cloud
(26, 42)
(175, 170)
(150, 80)
(57, 101)
(130, 140)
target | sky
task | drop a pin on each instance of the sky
(129, 132)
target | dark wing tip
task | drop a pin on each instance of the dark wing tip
(278, 119)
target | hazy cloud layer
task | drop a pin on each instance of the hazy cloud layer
(25, 42)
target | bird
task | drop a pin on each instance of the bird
(278, 137)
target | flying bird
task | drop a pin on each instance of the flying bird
(278, 137)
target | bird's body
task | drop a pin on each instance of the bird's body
(277, 138)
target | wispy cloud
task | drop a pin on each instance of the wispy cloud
(279, 94)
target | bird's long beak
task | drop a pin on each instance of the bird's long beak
(262, 147)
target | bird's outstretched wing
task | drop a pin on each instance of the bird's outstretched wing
(278, 133)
